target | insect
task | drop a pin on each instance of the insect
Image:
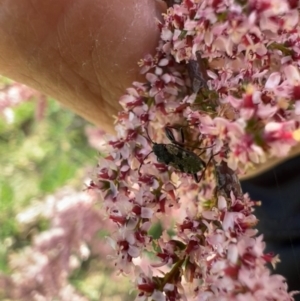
(197, 73)
(175, 154)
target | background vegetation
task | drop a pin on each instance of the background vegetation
(39, 156)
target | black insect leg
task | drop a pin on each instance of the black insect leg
(171, 137)
(197, 180)
(143, 161)
(204, 148)
(206, 165)
(182, 135)
(201, 176)
(149, 136)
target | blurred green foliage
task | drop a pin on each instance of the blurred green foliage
(37, 158)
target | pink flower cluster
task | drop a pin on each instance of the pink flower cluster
(13, 94)
(41, 271)
(247, 109)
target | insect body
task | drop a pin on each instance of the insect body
(198, 74)
(180, 158)
(174, 154)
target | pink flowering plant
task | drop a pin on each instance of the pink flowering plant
(222, 93)
(12, 94)
(43, 269)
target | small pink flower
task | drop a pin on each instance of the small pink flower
(246, 114)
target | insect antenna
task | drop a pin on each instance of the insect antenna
(144, 160)
(146, 130)
(204, 148)
(206, 165)
(171, 137)
(149, 136)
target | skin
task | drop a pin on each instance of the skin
(82, 53)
